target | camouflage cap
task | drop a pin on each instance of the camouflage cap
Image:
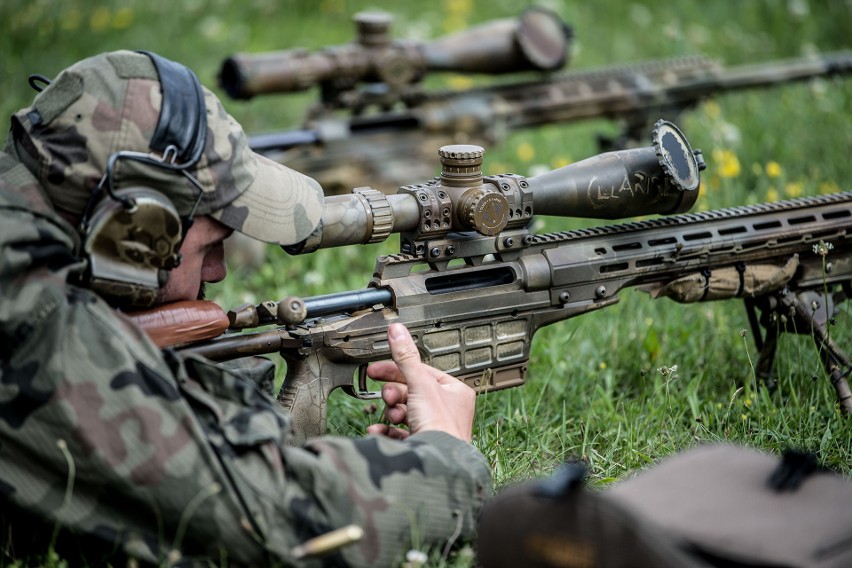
(111, 102)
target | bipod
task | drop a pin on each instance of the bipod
(806, 312)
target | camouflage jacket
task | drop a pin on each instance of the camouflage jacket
(164, 459)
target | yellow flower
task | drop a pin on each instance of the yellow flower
(773, 169)
(794, 189)
(122, 19)
(829, 186)
(459, 7)
(460, 82)
(772, 195)
(602, 365)
(561, 162)
(99, 20)
(526, 152)
(728, 163)
(711, 108)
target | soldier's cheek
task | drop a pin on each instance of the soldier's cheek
(213, 268)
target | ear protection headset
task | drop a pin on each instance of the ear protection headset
(131, 237)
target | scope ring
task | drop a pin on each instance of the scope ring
(378, 211)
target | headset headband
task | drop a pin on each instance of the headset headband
(182, 125)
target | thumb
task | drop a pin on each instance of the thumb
(403, 350)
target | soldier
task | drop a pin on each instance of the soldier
(118, 187)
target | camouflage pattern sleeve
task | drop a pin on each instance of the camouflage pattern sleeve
(162, 459)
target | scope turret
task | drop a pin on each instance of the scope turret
(537, 40)
(660, 179)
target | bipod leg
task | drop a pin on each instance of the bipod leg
(766, 343)
(766, 361)
(834, 360)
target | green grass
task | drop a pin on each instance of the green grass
(595, 390)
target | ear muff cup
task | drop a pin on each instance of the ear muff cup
(131, 250)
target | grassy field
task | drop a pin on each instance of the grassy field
(600, 386)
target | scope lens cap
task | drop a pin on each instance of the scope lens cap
(675, 156)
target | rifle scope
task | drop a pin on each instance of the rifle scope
(660, 179)
(536, 41)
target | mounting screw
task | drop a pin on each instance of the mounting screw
(451, 250)
(509, 242)
(601, 292)
(435, 252)
(528, 239)
(564, 296)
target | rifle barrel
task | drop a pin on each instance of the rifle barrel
(272, 141)
(345, 302)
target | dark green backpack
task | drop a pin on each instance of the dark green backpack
(716, 505)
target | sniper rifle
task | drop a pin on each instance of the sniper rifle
(376, 124)
(473, 284)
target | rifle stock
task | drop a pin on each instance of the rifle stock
(474, 306)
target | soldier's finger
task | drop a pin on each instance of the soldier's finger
(388, 431)
(405, 353)
(397, 433)
(396, 414)
(394, 393)
(385, 371)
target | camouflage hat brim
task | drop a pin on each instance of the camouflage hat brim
(279, 206)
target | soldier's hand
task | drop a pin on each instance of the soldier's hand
(420, 396)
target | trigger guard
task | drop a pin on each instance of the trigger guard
(361, 392)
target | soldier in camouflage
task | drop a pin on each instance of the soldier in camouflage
(122, 450)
